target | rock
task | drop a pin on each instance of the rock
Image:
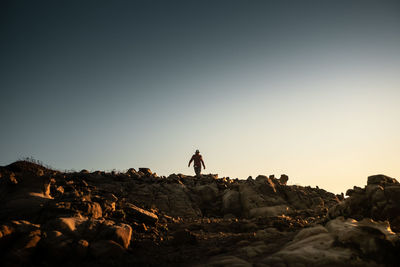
(79, 206)
(367, 234)
(211, 176)
(139, 214)
(110, 197)
(261, 178)
(28, 240)
(392, 192)
(175, 199)
(20, 239)
(81, 248)
(231, 202)
(9, 179)
(60, 190)
(221, 261)
(184, 237)
(6, 230)
(371, 189)
(26, 194)
(57, 246)
(145, 171)
(70, 225)
(283, 179)
(255, 249)
(132, 172)
(377, 194)
(119, 233)
(312, 250)
(106, 249)
(307, 232)
(378, 200)
(374, 239)
(297, 198)
(92, 209)
(337, 244)
(269, 211)
(250, 198)
(268, 188)
(380, 179)
(207, 193)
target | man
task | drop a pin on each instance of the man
(198, 160)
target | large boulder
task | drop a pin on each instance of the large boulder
(208, 193)
(175, 199)
(338, 244)
(120, 233)
(231, 203)
(251, 198)
(379, 200)
(372, 238)
(380, 179)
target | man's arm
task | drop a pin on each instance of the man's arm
(204, 166)
(190, 161)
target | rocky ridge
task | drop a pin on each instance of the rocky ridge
(137, 218)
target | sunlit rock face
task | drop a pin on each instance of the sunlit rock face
(137, 218)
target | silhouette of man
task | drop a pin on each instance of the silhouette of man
(198, 160)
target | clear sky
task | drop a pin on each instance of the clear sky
(306, 88)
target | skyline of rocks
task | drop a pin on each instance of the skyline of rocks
(97, 218)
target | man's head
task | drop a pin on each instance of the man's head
(197, 151)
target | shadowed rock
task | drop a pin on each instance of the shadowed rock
(379, 200)
(381, 179)
(140, 215)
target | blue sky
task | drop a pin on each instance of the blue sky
(308, 88)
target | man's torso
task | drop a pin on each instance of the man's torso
(197, 160)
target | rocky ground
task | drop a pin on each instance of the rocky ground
(136, 218)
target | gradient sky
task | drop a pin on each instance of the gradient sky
(306, 88)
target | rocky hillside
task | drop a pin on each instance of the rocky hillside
(136, 218)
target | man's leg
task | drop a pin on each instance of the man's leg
(197, 170)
